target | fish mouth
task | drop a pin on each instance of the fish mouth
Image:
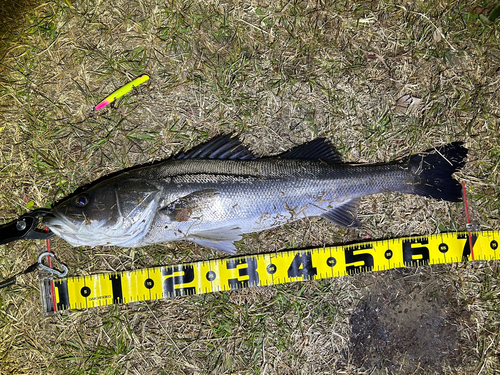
(57, 222)
(74, 230)
(64, 227)
(78, 230)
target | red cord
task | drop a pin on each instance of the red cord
(468, 220)
(53, 289)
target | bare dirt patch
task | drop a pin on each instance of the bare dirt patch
(408, 322)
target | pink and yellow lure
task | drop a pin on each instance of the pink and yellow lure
(122, 91)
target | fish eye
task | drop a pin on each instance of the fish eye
(81, 201)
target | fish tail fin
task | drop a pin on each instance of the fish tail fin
(433, 170)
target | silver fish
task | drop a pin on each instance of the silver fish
(218, 192)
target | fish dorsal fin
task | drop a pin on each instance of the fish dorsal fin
(318, 149)
(224, 147)
(344, 215)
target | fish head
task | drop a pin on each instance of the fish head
(114, 213)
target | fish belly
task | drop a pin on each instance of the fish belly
(252, 209)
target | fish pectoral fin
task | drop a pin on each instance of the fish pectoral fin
(221, 239)
(189, 206)
(344, 215)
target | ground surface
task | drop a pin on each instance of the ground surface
(409, 322)
(279, 73)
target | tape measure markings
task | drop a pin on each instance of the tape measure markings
(84, 292)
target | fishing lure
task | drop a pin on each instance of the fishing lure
(122, 91)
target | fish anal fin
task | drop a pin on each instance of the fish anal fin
(224, 246)
(344, 215)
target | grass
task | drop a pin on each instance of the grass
(278, 73)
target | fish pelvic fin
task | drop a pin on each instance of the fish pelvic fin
(345, 215)
(433, 170)
(221, 239)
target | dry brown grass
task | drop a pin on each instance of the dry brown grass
(279, 74)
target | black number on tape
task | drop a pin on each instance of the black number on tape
(350, 257)
(466, 250)
(62, 291)
(249, 270)
(302, 267)
(494, 245)
(388, 254)
(174, 285)
(418, 255)
(149, 283)
(116, 284)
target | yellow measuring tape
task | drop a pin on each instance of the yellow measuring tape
(265, 269)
